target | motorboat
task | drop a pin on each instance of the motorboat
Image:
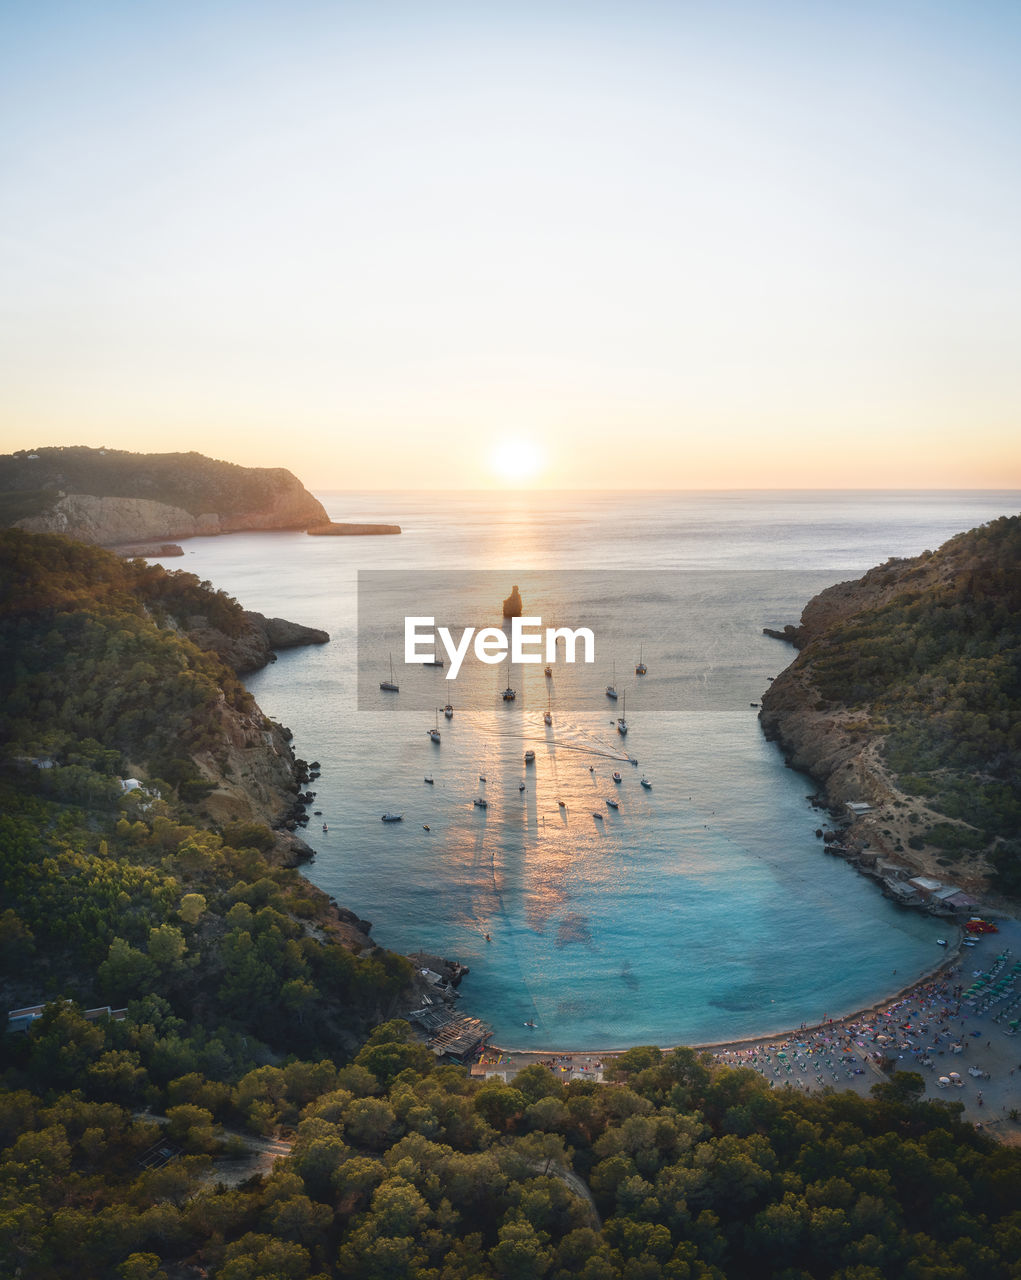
(616, 776)
(390, 686)
(614, 804)
(548, 671)
(597, 814)
(529, 756)
(392, 817)
(428, 779)
(562, 804)
(481, 802)
(547, 715)
(646, 783)
(521, 786)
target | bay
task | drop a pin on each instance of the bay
(702, 908)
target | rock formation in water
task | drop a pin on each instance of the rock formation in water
(512, 605)
(334, 530)
(109, 496)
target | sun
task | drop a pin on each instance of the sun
(515, 459)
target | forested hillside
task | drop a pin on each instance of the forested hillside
(30, 481)
(250, 1014)
(925, 655)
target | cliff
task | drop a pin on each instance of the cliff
(906, 696)
(255, 645)
(109, 497)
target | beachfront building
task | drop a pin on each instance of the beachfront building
(926, 886)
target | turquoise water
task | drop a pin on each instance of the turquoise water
(701, 909)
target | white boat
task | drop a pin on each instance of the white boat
(434, 732)
(641, 669)
(646, 783)
(521, 786)
(529, 756)
(613, 804)
(390, 686)
(392, 817)
(480, 802)
(622, 720)
(509, 695)
(428, 779)
(611, 688)
(448, 711)
(616, 776)
(547, 715)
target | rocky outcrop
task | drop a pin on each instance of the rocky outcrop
(112, 497)
(151, 551)
(512, 606)
(333, 530)
(255, 646)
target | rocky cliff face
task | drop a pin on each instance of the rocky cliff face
(109, 497)
(829, 742)
(842, 747)
(108, 522)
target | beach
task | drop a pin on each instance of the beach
(951, 1027)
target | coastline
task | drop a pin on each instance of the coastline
(950, 959)
(988, 1087)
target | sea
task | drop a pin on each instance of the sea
(701, 908)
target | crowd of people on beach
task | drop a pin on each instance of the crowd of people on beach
(924, 1030)
(931, 1028)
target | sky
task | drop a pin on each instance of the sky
(570, 245)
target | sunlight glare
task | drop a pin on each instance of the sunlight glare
(515, 459)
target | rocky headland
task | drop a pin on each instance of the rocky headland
(256, 645)
(111, 497)
(875, 708)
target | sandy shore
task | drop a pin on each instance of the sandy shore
(931, 1027)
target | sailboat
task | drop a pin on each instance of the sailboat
(434, 733)
(448, 711)
(389, 686)
(641, 669)
(611, 688)
(547, 715)
(621, 720)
